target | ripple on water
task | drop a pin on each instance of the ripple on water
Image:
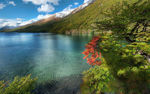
(56, 60)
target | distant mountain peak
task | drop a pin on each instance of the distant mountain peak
(6, 28)
(72, 11)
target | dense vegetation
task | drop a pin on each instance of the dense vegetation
(23, 85)
(125, 50)
(121, 55)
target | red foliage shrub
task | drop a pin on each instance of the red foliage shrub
(91, 54)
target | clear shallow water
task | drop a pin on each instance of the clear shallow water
(56, 60)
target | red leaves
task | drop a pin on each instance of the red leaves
(91, 53)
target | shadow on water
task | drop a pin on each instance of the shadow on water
(65, 85)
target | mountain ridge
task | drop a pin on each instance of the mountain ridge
(80, 20)
(45, 25)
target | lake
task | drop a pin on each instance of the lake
(56, 60)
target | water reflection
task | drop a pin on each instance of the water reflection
(55, 59)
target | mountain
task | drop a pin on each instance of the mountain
(79, 20)
(51, 18)
(82, 6)
(6, 28)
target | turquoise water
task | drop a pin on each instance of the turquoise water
(56, 60)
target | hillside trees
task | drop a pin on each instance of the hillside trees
(126, 49)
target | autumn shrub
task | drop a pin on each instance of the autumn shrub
(125, 51)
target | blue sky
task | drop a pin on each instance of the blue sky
(13, 12)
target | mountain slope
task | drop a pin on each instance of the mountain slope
(6, 28)
(77, 21)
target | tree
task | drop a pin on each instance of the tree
(126, 49)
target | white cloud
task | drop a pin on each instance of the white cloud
(88, 1)
(65, 11)
(40, 2)
(76, 3)
(14, 22)
(1, 20)
(27, 22)
(45, 5)
(69, 9)
(39, 17)
(2, 5)
(18, 19)
(8, 22)
(12, 3)
(20, 22)
(9, 3)
(46, 8)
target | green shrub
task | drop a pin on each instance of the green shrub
(99, 79)
(23, 85)
(126, 49)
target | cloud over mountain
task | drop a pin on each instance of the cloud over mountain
(65, 11)
(46, 8)
(2, 5)
(45, 5)
(20, 22)
(41, 2)
(12, 3)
